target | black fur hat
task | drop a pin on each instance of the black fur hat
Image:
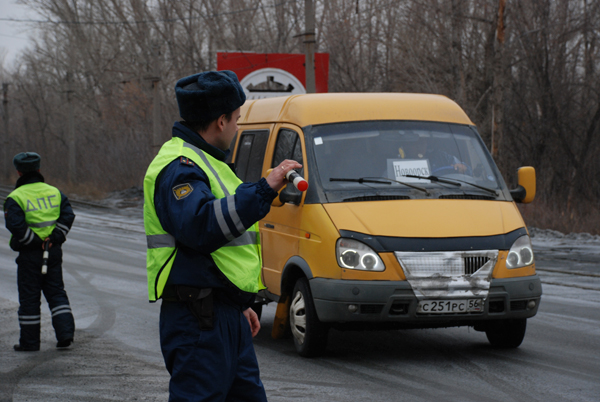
(208, 95)
(27, 162)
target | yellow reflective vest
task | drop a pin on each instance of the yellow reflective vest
(239, 260)
(41, 204)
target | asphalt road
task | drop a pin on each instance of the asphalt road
(116, 355)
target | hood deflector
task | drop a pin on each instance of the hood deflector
(385, 244)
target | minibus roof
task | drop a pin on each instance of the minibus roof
(312, 109)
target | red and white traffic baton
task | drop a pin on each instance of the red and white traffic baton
(297, 180)
(45, 258)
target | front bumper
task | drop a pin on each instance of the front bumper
(395, 303)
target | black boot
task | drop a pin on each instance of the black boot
(19, 348)
(64, 344)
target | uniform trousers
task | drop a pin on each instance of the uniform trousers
(209, 365)
(32, 283)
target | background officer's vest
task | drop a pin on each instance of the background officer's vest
(41, 204)
(239, 260)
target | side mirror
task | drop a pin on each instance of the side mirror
(287, 194)
(525, 191)
(290, 194)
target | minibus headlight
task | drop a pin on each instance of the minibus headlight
(520, 254)
(352, 254)
(350, 258)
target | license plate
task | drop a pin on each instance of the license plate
(450, 306)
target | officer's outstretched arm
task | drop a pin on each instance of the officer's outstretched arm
(188, 210)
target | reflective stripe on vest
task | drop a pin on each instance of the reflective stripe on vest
(41, 204)
(243, 249)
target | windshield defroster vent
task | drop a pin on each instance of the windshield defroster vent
(377, 198)
(466, 197)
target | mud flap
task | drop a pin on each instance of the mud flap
(281, 321)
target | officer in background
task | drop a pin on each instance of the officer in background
(204, 257)
(39, 215)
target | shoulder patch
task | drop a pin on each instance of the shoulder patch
(186, 161)
(182, 190)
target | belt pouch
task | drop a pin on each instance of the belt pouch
(200, 303)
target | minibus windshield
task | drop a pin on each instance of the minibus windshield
(400, 150)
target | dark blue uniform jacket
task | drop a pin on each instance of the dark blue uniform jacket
(191, 220)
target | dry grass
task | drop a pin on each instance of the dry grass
(81, 191)
(583, 218)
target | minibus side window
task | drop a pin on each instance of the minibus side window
(288, 146)
(250, 155)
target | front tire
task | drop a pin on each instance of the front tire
(310, 334)
(506, 333)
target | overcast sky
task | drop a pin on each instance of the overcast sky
(14, 35)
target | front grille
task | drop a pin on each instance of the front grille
(377, 198)
(452, 263)
(472, 264)
(371, 308)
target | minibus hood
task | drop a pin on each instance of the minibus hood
(426, 218)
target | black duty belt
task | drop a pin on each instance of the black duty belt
(199, 301)
(171, 293)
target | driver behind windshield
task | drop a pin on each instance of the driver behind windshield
(426, 148)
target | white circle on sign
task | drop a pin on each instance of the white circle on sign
(271, 82)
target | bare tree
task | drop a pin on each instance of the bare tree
(526, 72)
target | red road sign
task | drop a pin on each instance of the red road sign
(274, 74)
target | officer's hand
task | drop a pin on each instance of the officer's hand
(49, 243)
(15, 244)
(57, 237)
(276, 178)
(253, 321)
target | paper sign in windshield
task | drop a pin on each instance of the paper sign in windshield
(399, 168)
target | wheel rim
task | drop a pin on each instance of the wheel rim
(298, 317)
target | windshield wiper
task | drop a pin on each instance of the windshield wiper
(454, 182)
(433, 178)
(379, 180)
(360, 180)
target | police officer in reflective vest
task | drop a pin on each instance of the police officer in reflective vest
(38, 216)
(204, 256)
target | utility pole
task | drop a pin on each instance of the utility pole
(212, 64)
(5, 156)
(71, 144)
(309, 41)
(498, 87)
(155, 78)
